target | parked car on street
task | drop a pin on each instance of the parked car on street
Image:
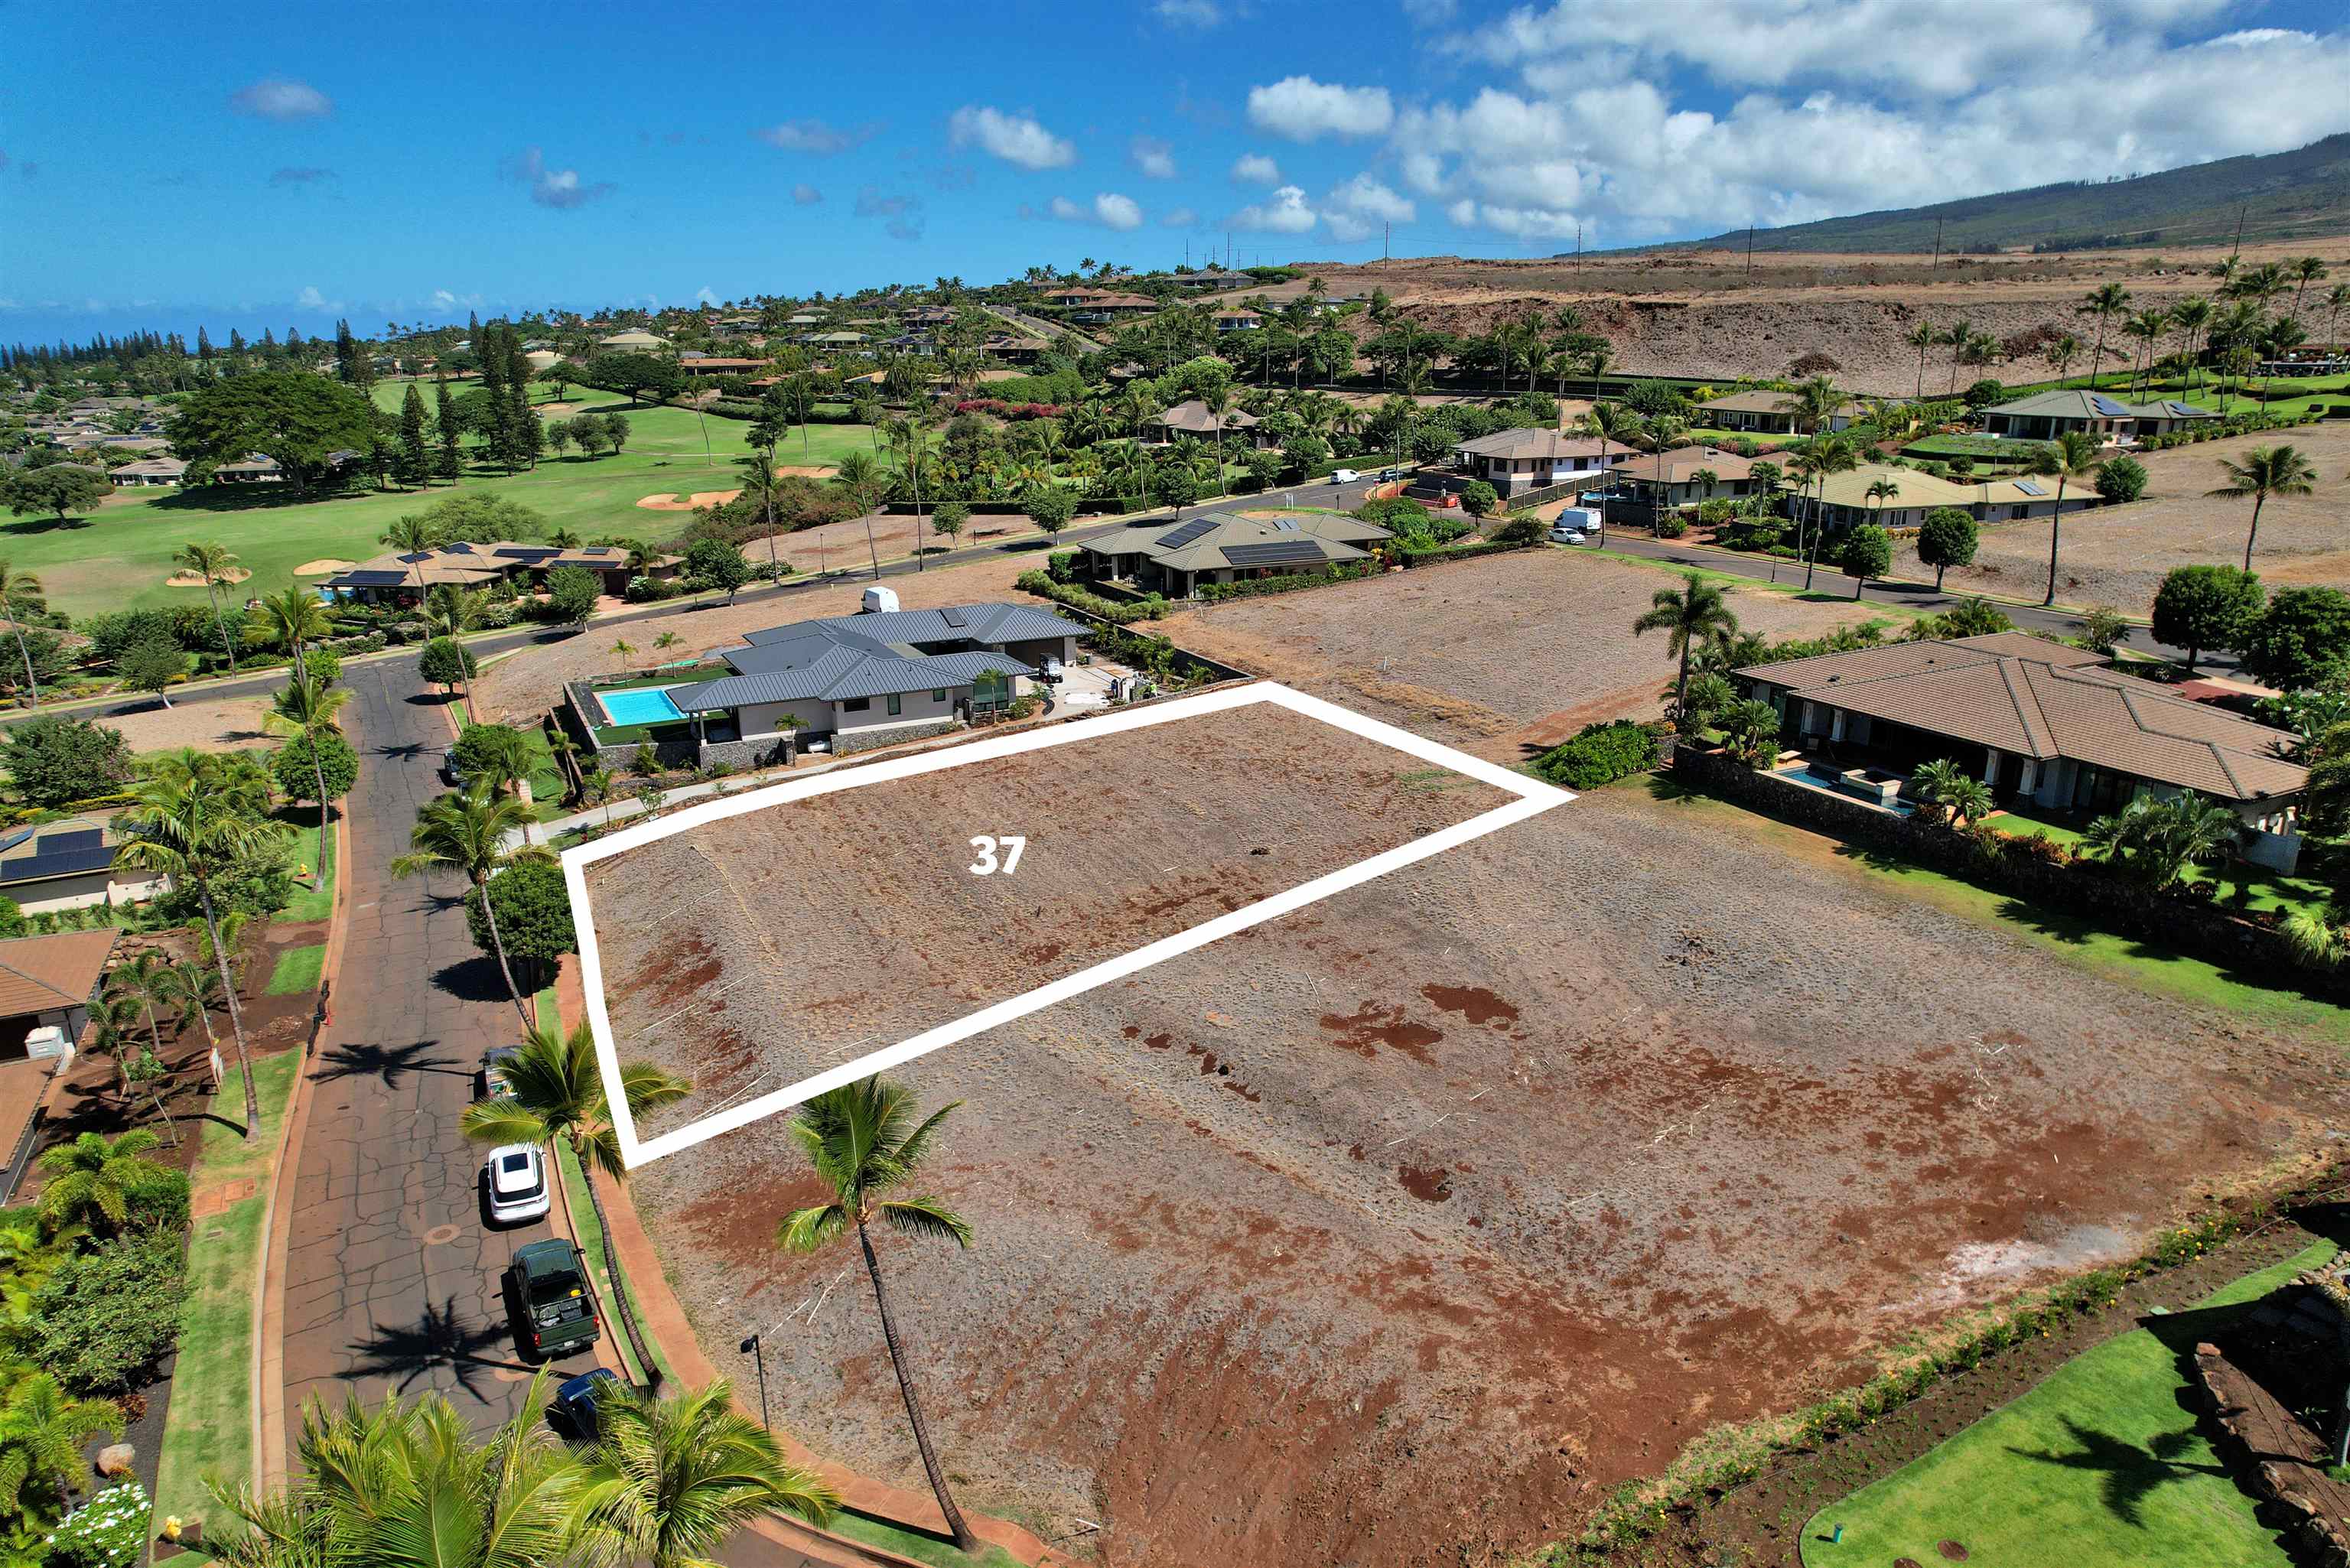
(1345, 476)
(1567, 533)
(574, 1400)
(514, 1179)
(494, 1082)
(549, 1282)
(1389, 475)
(450, 774)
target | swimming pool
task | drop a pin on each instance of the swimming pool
(1825, 780)
(646, 705)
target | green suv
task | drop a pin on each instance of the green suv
(550, 1282)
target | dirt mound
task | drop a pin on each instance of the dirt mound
(320, 567)
(196, 579)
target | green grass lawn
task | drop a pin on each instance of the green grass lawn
(2100, 1463)
(311, 903)
(2123, 959)
(2240, 885)
(2287, 394)
(118, 557)
(297, 971)
(911, 1544)
(208, 1425)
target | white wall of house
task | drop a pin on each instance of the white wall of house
(85, 891)
(913, 708)
(759, 719)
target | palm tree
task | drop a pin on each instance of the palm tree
(1606, 422)
(598, 786)
(192, 988)
(42, 1434)
(450, 611)
(1823, 456)
(862, 1140)
(212, 563)
(1596, 359)
(2072, 454)
(20, 595)
(2063, 352)
(466, 831)
(2158, 839)
(145, 979)
(95, 1175)
(1881, 490)
(2192, 315)
(1922, 337)
(672, 1478)
(1969, 800)
(2337, 300)
(760, 487)
(1814, 403)
(412, 536)
(622, 647)
(408, 1484)
(2265, 470)
(1934, 781)
(666, 641)
(2105, 302)
(555, 1090)
(860, 477)
(1694, 614)
(1663, 430)
(199, 816)
(291, 619)
(116, 1020)
(309, 710)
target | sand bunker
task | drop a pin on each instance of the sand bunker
(804, 471)
(320, 568)
(196, 580)
(667, 500)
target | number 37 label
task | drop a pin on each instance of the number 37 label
(997, 854)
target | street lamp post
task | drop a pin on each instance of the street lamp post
(757, 1352)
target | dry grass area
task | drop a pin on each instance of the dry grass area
(1705, 313)
(2118, 556)
(524, 685)
(1494, 655)
(1404, 1227)
(211, 724)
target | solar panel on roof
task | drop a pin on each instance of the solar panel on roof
(2181, 410)
(2105, 405)
(1282, 553)
(525, 553)
(17, 837)
(420, 555)
(80, 838)
(1186, 534)
(371, 579)
(459, 548)
(1286, 524)
(952, 617)
(2029, 488)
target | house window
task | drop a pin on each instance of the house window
(856, 705)
(893, 704)
(939, 694)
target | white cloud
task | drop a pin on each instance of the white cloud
(1154, 158)
(1189, 13)
(311, 299)
(815, 136)
(1181, 218)
(1356, 209)
(1016, 139)
(1108, 209)
(1301, 109)
(1285, 211)
(561, 188)
(1810, 126)
(444, 299)
(276, 97)
(1255, 168)
(805, 195)
(705, 295)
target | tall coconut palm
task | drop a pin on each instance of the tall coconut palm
(193, 989)
(2265, 470)
(213, 563)
(2337, 300)
(1609, 422)
(2072, 454)
(410, 1485)
(450, 609)
(292, 618)
(554, 1092)
(1691, 615)
(411, 536)
(96, 1176)
(1881, 490)
(20, 595)
(1823, 456)
(1922, 337)
(1664, 431)
(2192, 315)
(1595, 361)
(465, 832)
(2105, 302)
(1813, 403)
(860, 477)
(310, 710)
(199, 816)
(672, 1477)
(145, 979)
(2063, 352)
(864, 1145)
(760, 487)
(42, 1433)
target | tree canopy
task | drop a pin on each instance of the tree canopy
(296, 417)
(55, 761)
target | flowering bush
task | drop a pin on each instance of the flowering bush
(1003, 410)
(108, 1531)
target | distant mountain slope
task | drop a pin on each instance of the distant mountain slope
(2285, 195)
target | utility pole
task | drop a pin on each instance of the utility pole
(1935, 265)
(1749, 250)
(1578, 243)
(1387, 231)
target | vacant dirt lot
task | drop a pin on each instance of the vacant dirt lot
(1493, 655)
(1131, 837)
(211, 724)
(525, 684)
(2118, 556)
(1402, 1230)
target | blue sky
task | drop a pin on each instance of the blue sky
(250, 165)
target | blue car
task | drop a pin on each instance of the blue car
(574, 1400)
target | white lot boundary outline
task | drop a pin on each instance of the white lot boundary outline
(1531, 797)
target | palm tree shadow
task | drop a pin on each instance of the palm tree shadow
(2129, 1473)
(402, 1353)
(388, 1063)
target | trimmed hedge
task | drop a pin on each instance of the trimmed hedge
(1411, 558)
(1041, 585)
(1289, 583)
(1602, 754)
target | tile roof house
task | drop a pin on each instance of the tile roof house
(2040, 721)
(1673, 481)
(397, 578)
(149, 471)
(1192, 418)
(1767, 414)
(1844, 501)
(2044, 415)
(50, 981)
(1177, 559)
(857, 681)
(635, 340)
(1515, 460)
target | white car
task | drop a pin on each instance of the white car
(1345, 476)
(1567, 533)
(515, 1175)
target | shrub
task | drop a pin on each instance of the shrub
(298, 780)
(12, 917)
(103, 1319)
(534, 910)
(1670, 526)
(108, 1531)
(1041, 585)
(1061, 565)
(1602, 754)
(2121, 479)
(2302, 636)
(55, 761)
(1397, 515)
